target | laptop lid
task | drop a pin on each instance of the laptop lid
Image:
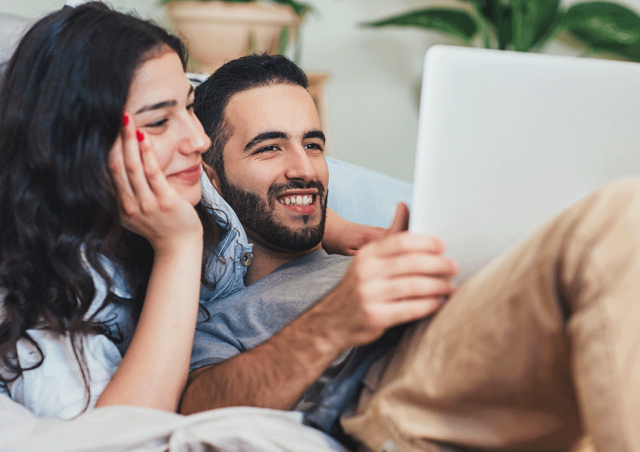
(506, 140)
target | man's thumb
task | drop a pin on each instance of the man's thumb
(401, 219)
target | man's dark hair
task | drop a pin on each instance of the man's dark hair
(212, 96)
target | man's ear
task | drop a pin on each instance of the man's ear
(212, 174)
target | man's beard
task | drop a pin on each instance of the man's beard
(258, 216)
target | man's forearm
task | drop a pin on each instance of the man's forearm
(395, 280)
(274, 374)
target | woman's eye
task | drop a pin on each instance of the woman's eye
(191, 106)
(158, 123)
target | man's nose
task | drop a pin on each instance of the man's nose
(299, 166)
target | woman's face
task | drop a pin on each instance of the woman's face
(160, 103)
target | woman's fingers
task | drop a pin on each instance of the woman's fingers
(116, 164)
(155, 178)
(134, 143)
(151, 207)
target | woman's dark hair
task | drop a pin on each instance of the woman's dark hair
(61, 103)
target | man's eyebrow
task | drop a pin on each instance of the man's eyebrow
(263, 137)
(315, 134)
(163, 104)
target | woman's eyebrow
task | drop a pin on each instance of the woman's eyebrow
(163, 104)
(159, 105)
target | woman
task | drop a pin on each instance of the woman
(63, 248)
(101, 247)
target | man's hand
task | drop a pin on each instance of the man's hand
(397, 279)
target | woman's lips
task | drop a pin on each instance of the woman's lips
(190, 175)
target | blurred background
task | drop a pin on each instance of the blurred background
(372, 85)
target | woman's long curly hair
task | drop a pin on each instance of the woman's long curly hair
(61, 103)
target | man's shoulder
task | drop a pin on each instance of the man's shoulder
(318, 260)
(314, 273)
(255, 313)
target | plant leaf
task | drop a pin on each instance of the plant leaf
(604, 26)
(532, 19)
(283, 40)
(631, 53)
(251, 46)
(452, 22)
(498, 15)
(300, 8)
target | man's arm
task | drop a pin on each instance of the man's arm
(274, 374)
(398, 279)
(346, 237)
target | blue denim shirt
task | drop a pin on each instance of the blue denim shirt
(233, 254)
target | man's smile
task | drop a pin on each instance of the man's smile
(297, 199)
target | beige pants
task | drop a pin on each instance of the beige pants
(538, 349)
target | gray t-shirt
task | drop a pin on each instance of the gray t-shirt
(251, 316)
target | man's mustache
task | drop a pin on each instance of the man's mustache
(277, 189)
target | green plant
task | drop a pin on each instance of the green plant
(527, 25)
(300, 8)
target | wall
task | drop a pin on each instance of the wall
(375, 74)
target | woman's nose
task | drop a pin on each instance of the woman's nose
(196, 140)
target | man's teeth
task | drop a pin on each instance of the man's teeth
(297, 200)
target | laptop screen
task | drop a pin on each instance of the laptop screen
(506, 140)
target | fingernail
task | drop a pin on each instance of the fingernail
(125, 119)
(139, 135)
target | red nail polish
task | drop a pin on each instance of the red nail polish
(139, 135)
(125, 119)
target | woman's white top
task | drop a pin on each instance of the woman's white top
(56, 388)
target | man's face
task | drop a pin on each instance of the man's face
(275, 175)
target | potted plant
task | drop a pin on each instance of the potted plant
(216, 31)
(527, 25)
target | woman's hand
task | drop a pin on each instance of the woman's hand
(150, 207)
(154, 369)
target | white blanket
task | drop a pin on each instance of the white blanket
(121, 428)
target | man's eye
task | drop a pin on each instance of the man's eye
(316, 146)
(266, 149)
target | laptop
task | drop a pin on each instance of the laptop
(507, 140)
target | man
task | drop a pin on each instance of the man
(534, 351)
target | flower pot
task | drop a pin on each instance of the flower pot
(217, 31)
